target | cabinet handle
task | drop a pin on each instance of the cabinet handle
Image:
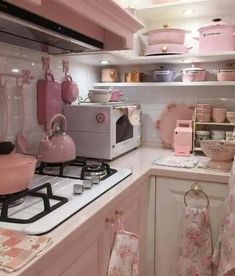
(119, 212)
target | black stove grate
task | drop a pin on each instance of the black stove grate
(36, 193)
(77, 162)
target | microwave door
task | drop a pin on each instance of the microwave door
(124, 130)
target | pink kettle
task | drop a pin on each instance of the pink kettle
(58, 147)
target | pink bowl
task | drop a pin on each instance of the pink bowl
(219, 110)
(220, 152)
(203, 111)
(219, 118)
(204, 106)
(203, 117)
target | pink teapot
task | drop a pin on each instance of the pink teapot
(58, 147)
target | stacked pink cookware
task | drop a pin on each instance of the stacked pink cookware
(166, 41)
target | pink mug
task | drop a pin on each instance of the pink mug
(116, 94)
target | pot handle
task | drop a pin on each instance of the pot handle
(53, 120)
(69, 78)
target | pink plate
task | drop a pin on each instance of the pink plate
(167, 122)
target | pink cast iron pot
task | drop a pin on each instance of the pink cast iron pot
(193, 74)
(166, 35)
(226, 75)
(16, 172)
(216, 37)
(161, 49)
(57, 147)
(70, 90)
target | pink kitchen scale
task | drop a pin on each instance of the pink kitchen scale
(183, 137)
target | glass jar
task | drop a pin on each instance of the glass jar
(202, 135)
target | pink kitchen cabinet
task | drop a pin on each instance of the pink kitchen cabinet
(35, 2)
(86, 251)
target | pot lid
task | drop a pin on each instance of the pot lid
(167, 28)
(12, 160)
(193, 68)
(227, 70)
(216, 23)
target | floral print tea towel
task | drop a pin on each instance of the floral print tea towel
(17, 249)
(195, 252)
(124, 258)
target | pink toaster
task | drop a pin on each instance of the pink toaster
(183, 137)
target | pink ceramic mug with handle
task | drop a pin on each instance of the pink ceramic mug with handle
(116, 95)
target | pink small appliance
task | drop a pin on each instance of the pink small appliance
(183, 137)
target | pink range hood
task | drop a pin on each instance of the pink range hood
(103, 21)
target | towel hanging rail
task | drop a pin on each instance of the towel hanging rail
(195, 188)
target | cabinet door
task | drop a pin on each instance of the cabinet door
(134, 206)
(169, 210)
(88, 254)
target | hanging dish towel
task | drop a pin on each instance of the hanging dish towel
(17, 249)
(124, 257)
(195, 252)
(224, 251)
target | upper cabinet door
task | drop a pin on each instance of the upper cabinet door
(35, 2)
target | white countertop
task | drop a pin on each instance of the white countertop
(140, 161)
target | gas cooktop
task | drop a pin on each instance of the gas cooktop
(54, 197)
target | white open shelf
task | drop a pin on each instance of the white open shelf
(184, 58)
(215, 124)
(162, 84)
(123, 58)
(175, 10)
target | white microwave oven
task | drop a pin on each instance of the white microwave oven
(103, 131)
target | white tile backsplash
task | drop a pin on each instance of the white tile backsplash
(12, 57)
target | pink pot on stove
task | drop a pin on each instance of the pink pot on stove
(16, 172)
(218, 36)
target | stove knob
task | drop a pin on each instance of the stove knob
(101, 117)
(95, 179)
(87, 183)
(78, 188)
